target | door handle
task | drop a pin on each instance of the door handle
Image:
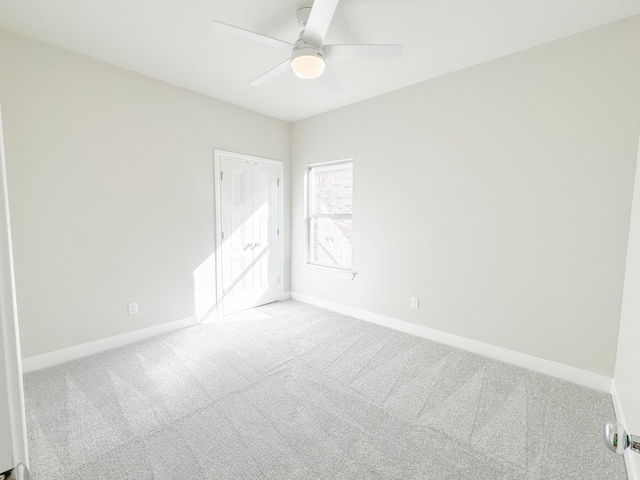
(618, 440)
(248, 246)
(19, 473)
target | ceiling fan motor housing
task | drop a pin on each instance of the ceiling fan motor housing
(303, 48)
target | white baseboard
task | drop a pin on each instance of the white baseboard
(285, 296)
(547, 367)
(629, 456)
(78, 351)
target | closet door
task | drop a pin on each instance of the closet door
(249, 213)
(236, 209)
(266, 248)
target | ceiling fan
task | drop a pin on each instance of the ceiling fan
(309, 56)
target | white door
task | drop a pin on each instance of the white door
(266, 221)
(13, 438)
(249, 213)
(236, 223)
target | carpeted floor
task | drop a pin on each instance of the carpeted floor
(304, 393)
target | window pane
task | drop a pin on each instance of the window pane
(332, 189)
(331, 242)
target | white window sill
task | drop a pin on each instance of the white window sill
(330, 272)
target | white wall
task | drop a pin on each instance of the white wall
(111, 189)
(627, 374)
(500, 195)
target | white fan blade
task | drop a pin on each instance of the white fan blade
(331, 81)
(273, 73)
(319, 20)
(256, 37)
(361, 52)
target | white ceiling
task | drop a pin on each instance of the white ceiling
(172, 41)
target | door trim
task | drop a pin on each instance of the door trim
(218, 154)
(630, 460)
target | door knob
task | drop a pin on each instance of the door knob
(618, 440)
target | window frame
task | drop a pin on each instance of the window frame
(333, 271)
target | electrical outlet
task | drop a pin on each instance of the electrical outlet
(415, 302)
(133, 308)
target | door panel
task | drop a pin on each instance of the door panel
(265, 226)
(236, 221)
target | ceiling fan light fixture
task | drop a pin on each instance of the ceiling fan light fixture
(308, 62)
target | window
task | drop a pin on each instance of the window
(330, 204)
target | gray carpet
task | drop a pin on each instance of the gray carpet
(303, 393)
